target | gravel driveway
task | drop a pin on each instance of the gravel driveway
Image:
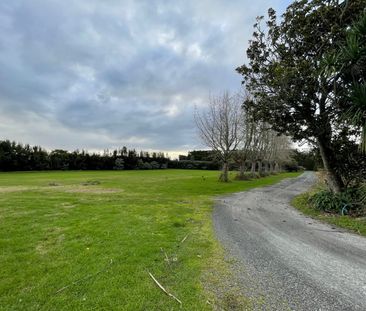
(285, 260)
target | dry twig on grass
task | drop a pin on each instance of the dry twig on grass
(166, 256)
(184, 239)
(164, 290)
(84, 278)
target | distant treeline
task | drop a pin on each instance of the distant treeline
(194, 165)
(197, 159)
(18, 157)
(200, 155)
(208, 159)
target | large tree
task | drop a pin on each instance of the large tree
(285, 73)
(220, 128)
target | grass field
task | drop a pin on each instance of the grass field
(88, 240)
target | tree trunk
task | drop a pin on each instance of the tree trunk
(260, 168)
(252, 170)
(334, 180)
(277, 167)
(224, 177)
(241, 174)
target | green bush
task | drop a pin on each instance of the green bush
(245, 176)
(346, 202)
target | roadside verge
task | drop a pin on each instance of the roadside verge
(354, 224)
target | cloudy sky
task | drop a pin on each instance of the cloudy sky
(99, 74)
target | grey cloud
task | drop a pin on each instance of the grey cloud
(117, 72)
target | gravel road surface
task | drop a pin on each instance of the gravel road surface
(285, 260)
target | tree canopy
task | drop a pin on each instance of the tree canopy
(286, 77)
(18, 157)
(349, 66)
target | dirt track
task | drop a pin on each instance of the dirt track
(285, 260)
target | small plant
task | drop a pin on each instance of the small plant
(346, 202)
(326, 201)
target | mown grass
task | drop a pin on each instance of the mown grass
(88, 240)
(355, 224)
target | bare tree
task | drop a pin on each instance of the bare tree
(282, 151)
(242, 155)
(255, 146)
(220, 128)
(265, 149)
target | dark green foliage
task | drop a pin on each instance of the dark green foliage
(309, 160)
(146, 166)
(284, 72)
(155, 165)
(202, 155)
(245, 176)
(356, 224)
(199, 165)
(197, 159)
(291, 90)
(18, 157)
(346, 202)
(263, 174)
(349, 63)
(351, 162)
(292, 167)
(119, 164)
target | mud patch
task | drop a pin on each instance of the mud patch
(84, 188)
(91, 190)
(79, 189)
(15, 189)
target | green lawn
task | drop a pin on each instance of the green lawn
(88, 240)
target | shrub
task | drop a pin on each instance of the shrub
(119, 164)
(346, 202)
(244, 176)
(155, 165)
(146, 166)
(263, 174)
(254, 175)
(290, 167)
